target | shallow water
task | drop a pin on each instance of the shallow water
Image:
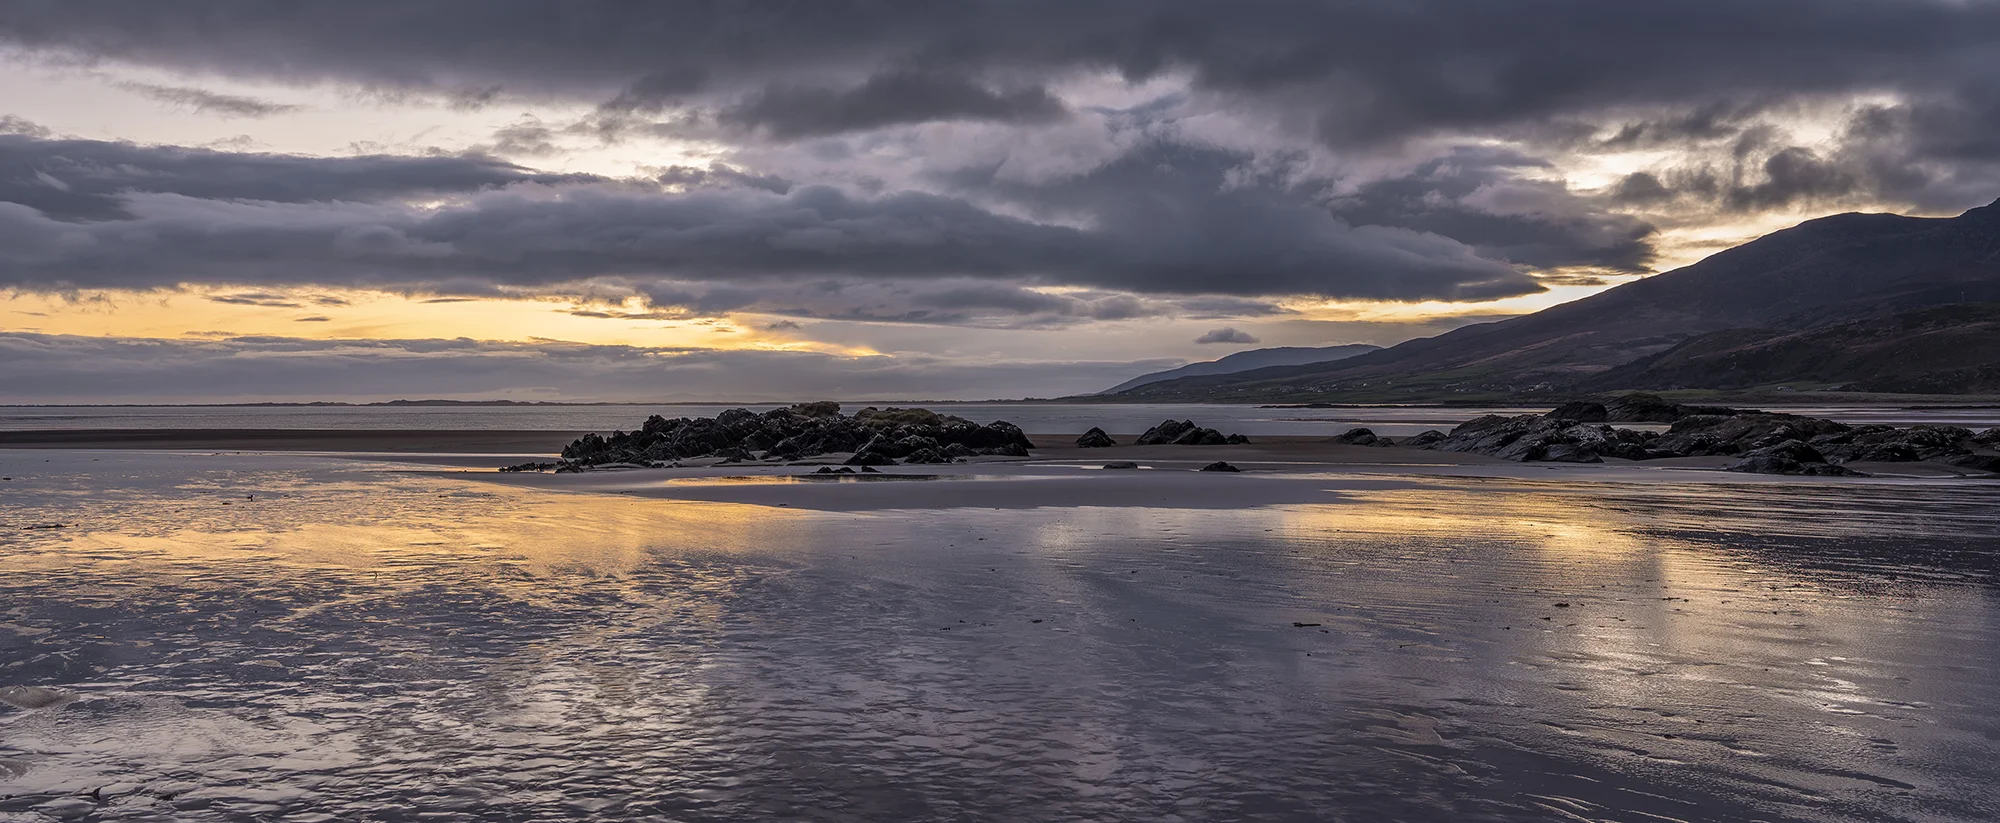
(356, 643)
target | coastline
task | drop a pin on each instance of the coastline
(296, 440)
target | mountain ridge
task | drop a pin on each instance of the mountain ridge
(1250, 359)
(1827, 271)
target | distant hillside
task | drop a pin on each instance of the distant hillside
(1252, 359)
(1947, 349)
(1814, 287)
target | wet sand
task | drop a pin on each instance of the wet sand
(282, 636)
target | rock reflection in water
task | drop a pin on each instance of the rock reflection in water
(360, 645)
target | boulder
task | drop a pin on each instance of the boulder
(1424, 440)
(1095, 439)
(1219, 466)
(1186, 433)
(1976, 462)
(1164, 433)
(816, 408)
(1739, 434)
(1361, 437)
(1788, 457)
(1121, 464)
(1531, 437)
(531, 467)
(1990, 437)
(870, 458)
(1582, 411)
(1652, 408)
(926, 456)
(1199, 436)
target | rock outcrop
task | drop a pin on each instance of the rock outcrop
(1219, 466)
(1788, 457)
(1362, 437)
(1534, 437)
(874, 437)
(1186, 433)
(1095, 439)
(1765, 442)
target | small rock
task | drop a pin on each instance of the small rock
(1121, 464)
(1362, 437)
(1219, 466)
(1095, 439)
(30, 697)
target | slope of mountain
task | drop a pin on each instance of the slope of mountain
(1252, 359)
(1948, 349)
(1820, 274)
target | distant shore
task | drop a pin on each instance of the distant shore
(399, 441)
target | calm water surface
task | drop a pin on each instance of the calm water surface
(1052, 418)
(362, 644)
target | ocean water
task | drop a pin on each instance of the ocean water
(226, 637)
(1052, 418)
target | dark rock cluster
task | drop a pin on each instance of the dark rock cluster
(1536, 437)
(1220, 466)
(1787, 457)
(1765, 442)
(875, 437)
(1186, 433)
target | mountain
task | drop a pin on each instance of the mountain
(1862, 281)
(1252, 359)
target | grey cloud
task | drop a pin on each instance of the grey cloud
(317, 318)
(1364, 72)
(719, 174)
(10, 124)
(57, 369)
(1485, 199)
(528, 136)
(204, 101)
(1227, 334)
(1791, 174)
(1177, 230)
(893, 98)
(255, 299)
(90, 179)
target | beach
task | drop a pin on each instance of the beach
(379, 625)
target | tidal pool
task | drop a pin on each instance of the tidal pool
(213, 637)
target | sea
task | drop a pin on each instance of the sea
(1048, 418)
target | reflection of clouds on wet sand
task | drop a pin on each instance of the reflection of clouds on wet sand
(366, 644)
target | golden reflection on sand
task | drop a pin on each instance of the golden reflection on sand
(536, 533)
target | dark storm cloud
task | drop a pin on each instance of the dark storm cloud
(203, 101)
(893, 98)
(41, 368)
(1480, 197)
(88, 179)
(162, 219)
(1365, 72)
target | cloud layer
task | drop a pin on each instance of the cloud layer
(1145, 168)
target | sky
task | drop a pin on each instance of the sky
(228, 200)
